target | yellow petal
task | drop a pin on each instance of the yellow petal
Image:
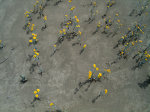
(79, 32)
(64, 30)
(108, 70)
(90, 75)
(37, 54)
(36, 96)
(35, 92)
(75, 17)
(118, 21)
(106, 91)
(97, 68)
(30, 41)
(94, 65)
(38, 90)
(60, 32)
(84, 46)
(34, 56)
(117, 14)
(34, 38)
(51, 104)
(99, 75)
(77, 20)
(55, 45)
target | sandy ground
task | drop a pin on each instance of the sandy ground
(67, 68)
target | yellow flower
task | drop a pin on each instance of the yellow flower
(75, 17)
(35, 92)
(107, 27)
(37, 2)
(55, 45)
(90, 72)
(70, 1)
(106, 91)
(34, 38)
(98, 25)
(145, 52)
(66, 15)
(122, 37)
(146, 59)
(94, 65)
(27, 16)
(51, 104)
(121, 53)
(38, 90)
(33, 34)
(132, 33)
(78, 26)
(90, 75)
(118, 21)
(30, 41)
(34, 50)
(99, 75)
(77, 20)
(45, 18)
(60, 32)
(94, 3)
(140, 41)
(36, 96)
(37, 53)
(129, 29)
(72, 8)
(64, 30)
(67, 26)
(84, 46)
(32, 27)
(117, 14)
(29, 23)
(108, 70)
(34, 56)
(147, 55)
(133, 43)
(79, 32)
(97, 68)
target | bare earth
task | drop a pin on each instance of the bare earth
(67, 68)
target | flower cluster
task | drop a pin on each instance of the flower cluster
(92, 73)
(36, 93)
